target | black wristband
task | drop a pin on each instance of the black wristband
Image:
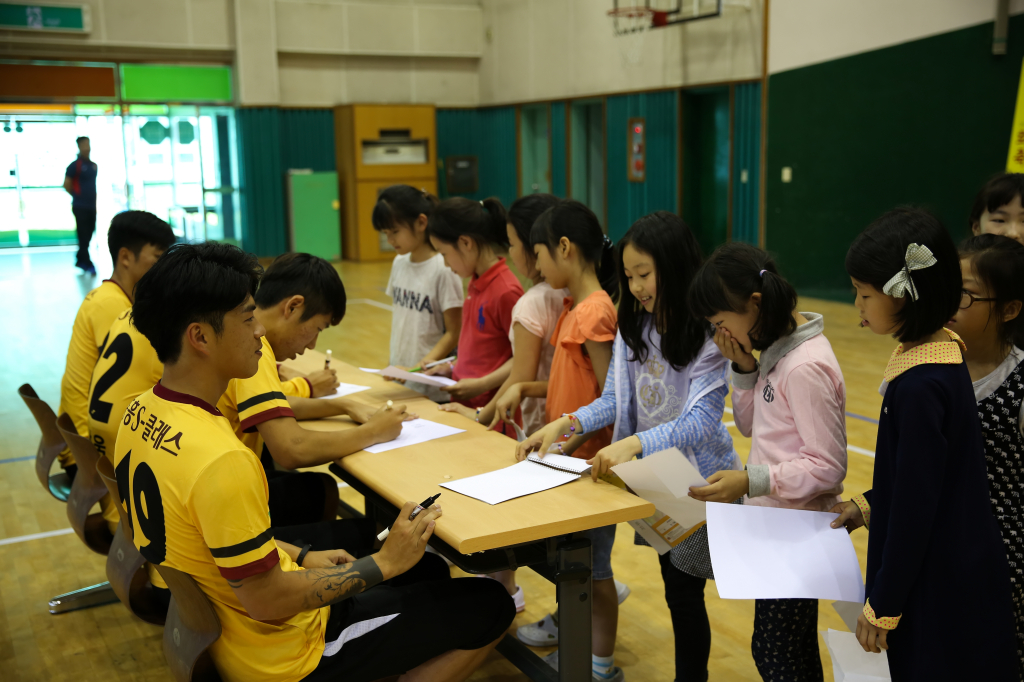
(303, 551)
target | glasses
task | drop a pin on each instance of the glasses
(967, 299)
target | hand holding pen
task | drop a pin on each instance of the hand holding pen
(407, 540)
(421, 507)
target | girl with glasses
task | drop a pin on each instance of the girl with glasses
(990, 323)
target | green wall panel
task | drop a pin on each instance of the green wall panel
(746, 155)
(271, 141)
(558, 149)
(925, 123)
(627, 200)
(488, 134)
(169, 83)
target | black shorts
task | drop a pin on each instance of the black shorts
(393, 628)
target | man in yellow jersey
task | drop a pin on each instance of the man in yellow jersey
(197, 499)
(299, 296)
(136, 240)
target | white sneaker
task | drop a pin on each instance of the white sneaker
(545, 631)
(542, 633)
(615, 675)
(520, 599)
(622, 589)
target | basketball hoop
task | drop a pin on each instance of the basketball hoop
(631, 23)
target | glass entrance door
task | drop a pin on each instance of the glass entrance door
(182, 167)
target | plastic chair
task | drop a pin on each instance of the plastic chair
(192, 626)
(50, 445)
(126, 567)
(86, 491)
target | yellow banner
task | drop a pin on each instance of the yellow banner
(1015, 159)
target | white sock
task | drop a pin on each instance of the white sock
(602, 665)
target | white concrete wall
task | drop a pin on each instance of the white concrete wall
(545, 49)
(804, 32)
(290, 52)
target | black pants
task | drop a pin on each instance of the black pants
(684, 595)
(296, 497)
(85, 225)
(785, 643)
(393, 627)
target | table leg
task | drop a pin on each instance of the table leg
(573, 586)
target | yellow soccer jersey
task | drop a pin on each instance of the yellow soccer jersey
(98, 311)
(298, 387)
(126, 368)
(249, 402)
(198, 501)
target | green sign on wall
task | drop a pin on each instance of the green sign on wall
(34, 17)
(167, 83)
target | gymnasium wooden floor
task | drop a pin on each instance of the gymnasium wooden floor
(39, 294)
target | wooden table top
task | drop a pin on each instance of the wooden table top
(468, 525)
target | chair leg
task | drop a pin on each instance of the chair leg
(85, 598)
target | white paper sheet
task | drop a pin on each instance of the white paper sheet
(849, 611)
(520, 434)
(773, 553)
(664, 478)
(524, 478)
(850, 663)
(573, 465)
(343, 390)
(415, 432)
(392, 372)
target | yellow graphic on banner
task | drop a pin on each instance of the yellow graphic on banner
(1015, 159)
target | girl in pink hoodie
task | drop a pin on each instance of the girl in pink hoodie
(793, 402)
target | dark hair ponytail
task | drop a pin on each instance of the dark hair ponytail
(735, 272)
(577, 223)
(999, 262)
(401, 204)
(524, 211)
(482, 221)
(667, 240)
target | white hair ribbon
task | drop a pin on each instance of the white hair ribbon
(918, 258)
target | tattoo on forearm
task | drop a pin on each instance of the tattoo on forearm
(332, 585)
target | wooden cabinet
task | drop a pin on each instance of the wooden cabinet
(379, 145)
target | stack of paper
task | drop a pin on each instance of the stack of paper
(415, 432)
(773, 553)
(664, 478)
(343, 390)
(524, 478)
(850, 663)
(392, 372)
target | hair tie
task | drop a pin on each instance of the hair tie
(761, 274)
(481, 203)
(918, 257)
(608, 242)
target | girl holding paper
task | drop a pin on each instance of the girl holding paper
(793, 403)
(666, 387)
(935, 555)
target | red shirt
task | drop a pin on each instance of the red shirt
(486, 319)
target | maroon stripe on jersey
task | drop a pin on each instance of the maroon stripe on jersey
(121, 288)
(161, 391)
(310, 386)
(249, 424)
(252, 568)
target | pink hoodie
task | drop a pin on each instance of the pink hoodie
(795, 406)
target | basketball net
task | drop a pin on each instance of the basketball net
(630, 23)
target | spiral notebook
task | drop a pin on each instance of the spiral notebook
(533, 475)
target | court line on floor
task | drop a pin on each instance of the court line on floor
(17, 459)
(36, 536)
(370, 301)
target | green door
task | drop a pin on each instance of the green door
(706, 165)
(313, 214)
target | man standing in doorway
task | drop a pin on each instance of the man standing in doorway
(80, 182)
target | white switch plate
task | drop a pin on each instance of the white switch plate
(744, 176)
(787, 174)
